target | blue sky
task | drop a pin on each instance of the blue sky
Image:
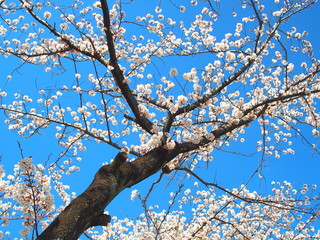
(227, 169)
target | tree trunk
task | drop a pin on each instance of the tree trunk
(87, 209)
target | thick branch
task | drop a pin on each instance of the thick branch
(118, 161)
(222, 130)
(86, 210)
(118, 73)
(214, 92)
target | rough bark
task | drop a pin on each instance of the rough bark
(87, 209)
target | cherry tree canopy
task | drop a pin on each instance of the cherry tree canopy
(162, 86)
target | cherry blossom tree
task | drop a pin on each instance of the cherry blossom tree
(164, 89)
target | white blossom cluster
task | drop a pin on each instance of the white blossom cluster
(202, 214)
(27, 194)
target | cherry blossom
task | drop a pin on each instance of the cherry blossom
(166, 88)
